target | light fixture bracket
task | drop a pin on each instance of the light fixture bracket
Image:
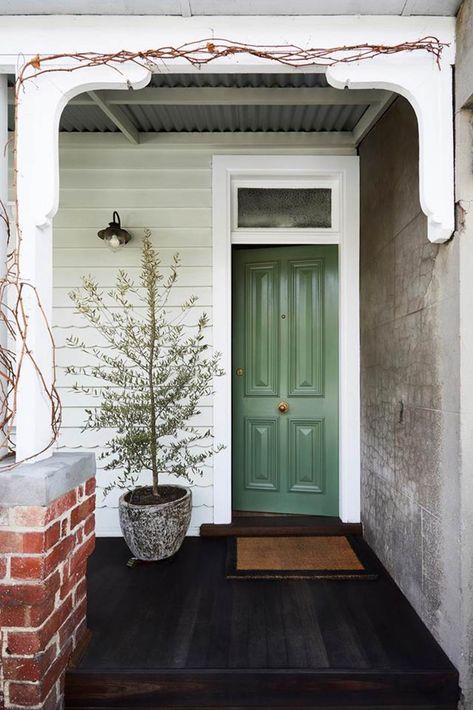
(114, 234)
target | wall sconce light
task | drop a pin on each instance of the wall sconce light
(114, 235)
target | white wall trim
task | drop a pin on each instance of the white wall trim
(345, 170)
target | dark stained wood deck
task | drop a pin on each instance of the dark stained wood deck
(178, 634)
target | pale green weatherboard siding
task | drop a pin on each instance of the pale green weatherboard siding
(165, 184)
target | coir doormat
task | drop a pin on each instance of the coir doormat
(314, 557)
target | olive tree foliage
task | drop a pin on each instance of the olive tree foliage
(154, 370)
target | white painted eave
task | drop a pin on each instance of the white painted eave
(30, 35)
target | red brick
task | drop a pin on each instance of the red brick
(3, 567)
(58, 617)
(58, 554)
(26, 615)
(75, 572)
(27, 567)
(90, 486)
(67, 629)
(36, 615)
(23, 642)
(60, 505)
(80, 555)
(29, 642)
(43, 693)
(56, 669)
(71, 580)
(52, 535)
(14, 616)
(82, 511)
(32, 516)
(21, 541)
(80, 591)
(79, 535)
(89, 525)
(64, 527)
(51, 702)
(14, 594)
(29, 668)
(80, 631)
(25, 694)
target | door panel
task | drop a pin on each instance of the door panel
(261, 329)
(306, 465)
(285, 351)
(261, 445)
(306, 340)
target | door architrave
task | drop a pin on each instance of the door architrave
(227, 172)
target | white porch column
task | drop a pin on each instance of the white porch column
(41, 101)
(4, 200)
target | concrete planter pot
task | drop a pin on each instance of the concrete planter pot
(155, 532)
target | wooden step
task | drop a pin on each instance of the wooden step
(280, 688)
(279, 525)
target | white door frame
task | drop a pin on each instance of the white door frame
(344, 172)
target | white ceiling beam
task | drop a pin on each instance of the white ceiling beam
(222, 96)
(248, 96)
(117, 116)
(372, 116)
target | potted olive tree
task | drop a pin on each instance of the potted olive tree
(150, 373)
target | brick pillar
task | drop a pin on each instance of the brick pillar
(43, 557)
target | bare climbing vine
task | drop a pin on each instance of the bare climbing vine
(14, 291)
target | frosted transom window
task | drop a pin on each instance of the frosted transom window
(284, 208)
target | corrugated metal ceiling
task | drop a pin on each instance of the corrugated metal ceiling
(241, 81)
(235, 119)
(224, 118)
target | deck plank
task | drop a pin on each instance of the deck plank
(183, 631)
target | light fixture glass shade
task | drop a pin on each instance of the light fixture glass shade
(114, 235)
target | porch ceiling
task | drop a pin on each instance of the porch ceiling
(225, 103)
(187, 8)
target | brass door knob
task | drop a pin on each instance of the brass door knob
(283, 407)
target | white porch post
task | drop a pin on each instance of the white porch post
(4, 200)
(41, 101)
(36, 177)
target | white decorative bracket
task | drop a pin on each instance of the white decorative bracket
(428, 87)
(41, 101)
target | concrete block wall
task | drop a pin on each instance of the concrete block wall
(410, 380)
(464, 236)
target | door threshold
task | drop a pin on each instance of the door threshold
(258, 525)
(257, 514)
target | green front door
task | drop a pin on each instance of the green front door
(285, 380)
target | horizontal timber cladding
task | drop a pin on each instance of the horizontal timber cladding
(163, 183)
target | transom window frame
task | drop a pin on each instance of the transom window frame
(305, 235)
